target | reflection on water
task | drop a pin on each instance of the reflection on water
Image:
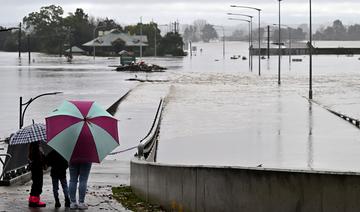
(310, 139)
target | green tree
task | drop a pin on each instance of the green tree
(108, 24)
(172, 44)
(208, 33)
(190, 34)
(46, 28)
(149, 30)
(79, 25)
(354, 32)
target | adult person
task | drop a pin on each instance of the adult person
(79, 172)
(58, 174)
(37, 164)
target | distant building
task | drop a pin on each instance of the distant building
(75, 50)
(114, 41)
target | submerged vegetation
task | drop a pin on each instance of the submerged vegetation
(129, 200)
(49, 31)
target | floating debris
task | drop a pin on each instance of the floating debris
(297, 60)
(140, 67)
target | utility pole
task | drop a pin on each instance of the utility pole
(190, 45)
(140, 38)
(268, 42)
(155, 44)
(28, 45)
(310, 55)
(279, 59)
(19, 40)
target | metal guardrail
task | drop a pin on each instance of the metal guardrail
(7, 156)
(148, 145)
(351, 120)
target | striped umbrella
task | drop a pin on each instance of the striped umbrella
(32, 133)
(82, 131)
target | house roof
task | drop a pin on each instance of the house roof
(75, 49)
(130, 40)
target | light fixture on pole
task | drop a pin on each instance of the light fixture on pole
(26, 104)
(251, 17)
(259, 50)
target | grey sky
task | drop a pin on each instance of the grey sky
(165, 11)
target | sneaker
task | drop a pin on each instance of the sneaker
(73, 206)
(57, 204)
(82, 206)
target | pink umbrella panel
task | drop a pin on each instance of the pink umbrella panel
(82, 131)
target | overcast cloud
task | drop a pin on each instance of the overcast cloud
(186, 11)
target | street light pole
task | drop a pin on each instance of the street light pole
(26, 104)
(290, 38)
(19, 40)
(249, 22)
(140, 38)
(259, 50)
(94, 38)
(259, 45)
(279, 61)
(223, 29)
(155, 44)
(310, 55)
(290, 53)
(94, 42)
(250, 36)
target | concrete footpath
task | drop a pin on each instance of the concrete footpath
(135, 117)
(99, 196)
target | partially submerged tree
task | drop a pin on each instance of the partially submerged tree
(208, 33)
(172, 44)
(79, 25)
(46, 28)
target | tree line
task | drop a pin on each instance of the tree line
(200, 30)
(50, 32)
(338, 32)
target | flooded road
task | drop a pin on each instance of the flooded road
(218, 111)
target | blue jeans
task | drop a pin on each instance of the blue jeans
(78, 172)
(55, 183)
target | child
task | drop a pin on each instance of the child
(37, 164)
(58, 173)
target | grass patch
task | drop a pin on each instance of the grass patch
(130, 201)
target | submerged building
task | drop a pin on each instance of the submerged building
(113, 41)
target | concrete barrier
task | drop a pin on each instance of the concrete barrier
(206, 188)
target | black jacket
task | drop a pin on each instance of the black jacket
(58, 165)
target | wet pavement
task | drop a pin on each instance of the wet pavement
(102, 177)
(135, 117)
